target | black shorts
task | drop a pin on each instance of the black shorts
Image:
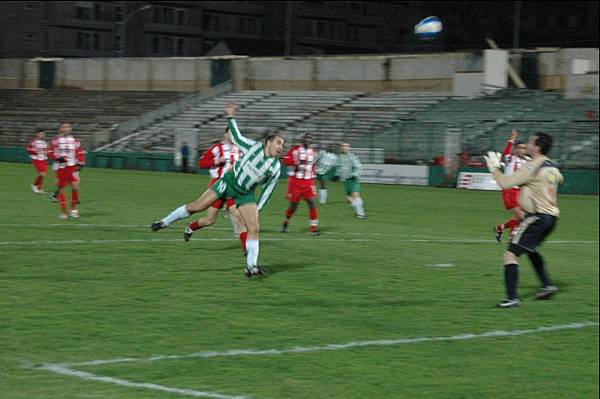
(532, 231)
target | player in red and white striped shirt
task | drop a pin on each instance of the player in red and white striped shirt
(219, 159)
(69, 157)
(513, 161)
(301, 163)
(38, 152)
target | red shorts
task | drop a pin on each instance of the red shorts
(67, 175)
(40, 166)
(218, 204)
(300, 188)
(510, 198)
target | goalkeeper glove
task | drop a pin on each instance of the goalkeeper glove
(493, 161)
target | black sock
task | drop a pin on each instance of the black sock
(511, 274)
(538, 264)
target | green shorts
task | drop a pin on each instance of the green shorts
(327, 175)
(352, 185)
(226, 187)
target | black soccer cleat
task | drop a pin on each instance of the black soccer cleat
(157, 226)
(53, 197)
(187, 234)
(284, 228)
(256, 271)
(498, 234)
(509, 303)
(314, 233)
(546, 292)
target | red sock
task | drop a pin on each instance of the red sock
(38, 181)
(62, 201)
(314, 215)
(289, 213)
(243, 238)
(74, 199)
(194, 225)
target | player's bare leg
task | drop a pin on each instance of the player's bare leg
(236, 218)
(184, 211)
(511, 224)
(208, 220)
(249, 213)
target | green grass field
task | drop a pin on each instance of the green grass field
(423, 266)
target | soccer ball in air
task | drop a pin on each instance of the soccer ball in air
(429, 28)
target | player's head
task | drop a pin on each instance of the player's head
(345, 148)
(40, 133)
(65, 128)
(307, 139)
(520, 149)
(226, 136)
(331, 148)
(274, 145)
(539, 143)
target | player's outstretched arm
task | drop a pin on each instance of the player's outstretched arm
(236, 136)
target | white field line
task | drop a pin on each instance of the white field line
(335, 347)
(66, 369)
(58, 369)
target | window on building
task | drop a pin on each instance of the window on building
(168, 45)
(156, 15)
(241, 25)
(207, 21)
(156, 44)
(169, 16)
(118, 42)
(179, 16)
(45, 40)
(84, 12)
(180, 46)
(29, 7)
(573, 22)
(309, 28)
(118, 13)
(321, 29)
(97, 43)
(83, 41)
(98, 12)
(30, 37)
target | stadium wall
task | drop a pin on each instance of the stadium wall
(576, 181)
(416, 72)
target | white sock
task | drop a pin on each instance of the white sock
(359, 207)
(252, 257)
(322, 196)
(177, 214)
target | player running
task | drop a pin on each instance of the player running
(510, 197)
(259, 166)
(38, 152)
(300, 161)
(219, 159)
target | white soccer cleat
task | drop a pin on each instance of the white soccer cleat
(63, 216)
(35, 189)
(74, 213)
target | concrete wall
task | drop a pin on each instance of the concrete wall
(422, 72)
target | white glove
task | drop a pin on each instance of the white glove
(493, 161)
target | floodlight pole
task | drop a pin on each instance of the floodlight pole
(516, 25)
(123, 28)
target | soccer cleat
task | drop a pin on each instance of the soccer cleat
(74, 213)
(187, 234)
(35, 189)
(498, 234)
(157, 225)
(314, 232)
(63, 216)
(284, 228)
(256, 271)
(53, 197)
(509, 303)
(360, 216)
(546, 292)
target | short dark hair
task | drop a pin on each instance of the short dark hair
(520, 143)
(40, 129)
(544, 141)
(272, 137)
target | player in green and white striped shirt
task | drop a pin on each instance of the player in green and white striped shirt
(326, 161)
(348, 170)
(259, 166)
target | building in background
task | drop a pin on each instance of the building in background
(263, 28)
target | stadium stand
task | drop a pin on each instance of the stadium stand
(91, 112)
